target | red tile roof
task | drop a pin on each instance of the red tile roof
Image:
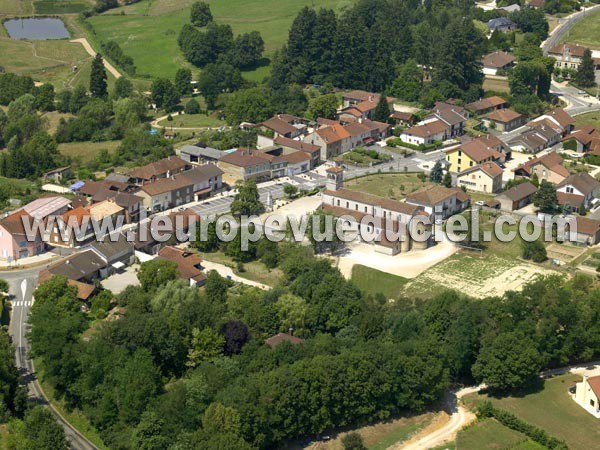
(503, 115)
(159, 168)
(498, 59)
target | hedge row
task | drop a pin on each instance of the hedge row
(508, 419)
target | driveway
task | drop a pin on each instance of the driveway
(117, 282)
(88, 48)
(407, 265)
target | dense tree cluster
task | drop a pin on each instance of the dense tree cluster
(216, 42)
(228, 390)
(364, 46)
(114, 51)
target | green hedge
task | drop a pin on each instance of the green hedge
(397, 142)
(571, 144)
(508, 419)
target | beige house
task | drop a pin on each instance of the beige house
(504, 119)
(548, 167)
(587, 393)
(486, 177)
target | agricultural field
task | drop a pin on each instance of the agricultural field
(480, 276)
(373, 281)
(586, 32)
(148, 30)
(86, 152)
(489, 434)
(15, 8)
(393, 185)
(61, 6)
(552, 409)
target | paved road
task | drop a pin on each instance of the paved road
(566, 24)
(22, 284)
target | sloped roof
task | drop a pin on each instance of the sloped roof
(449, 113)
(206, 152)
(357, 129)
(14, 222)
(279, 126)
(186, 263)
(113, 246)
(571, 199)
(45, 206)
(433, 195)
(587, 226)
(159, 168)
(573, 49)
(333, 133)
(498, 59)
(551, 161)
(582, 181)
(428, 129)
(503, 115)
(295, 144)
(79, 265)
(478, 150)
(486, 103)
(374, 200)
(244, 157)
(274, 341)
(520, 191)
(296, 157)
(489, 168)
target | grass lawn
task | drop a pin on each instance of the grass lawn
(193, 121)
(52, 118)
(591, 118)
(392, 185)
(87, 151)
(586, 32)
(61, 6)
(75, 417)
(553, 410)
(496, 85)
(373, 281)
(488, 434)
(15, 8)
(148, 30)
(253, 270)
(402, 433)
(3, 436)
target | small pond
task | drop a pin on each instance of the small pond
(43, 28)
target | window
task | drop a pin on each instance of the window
(569, 190)
(459, 153)
(459, 160)
(592, 402)
(470, 163)
(347, 205)
(23, 244)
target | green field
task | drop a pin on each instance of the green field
(86, 151)
(591, 118)
(488, 434)
(394, 185)
(148, 30)
(192, 121)
(61, 6)
(15, 7)
(374, 281)
(553, 410)
(496, 85)
(586, 32)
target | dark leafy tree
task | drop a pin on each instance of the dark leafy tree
(353, 441)
(156, 273)
(248, 105)
(164, 94)
(216, 79)
(44, 97)
(508, 361)
(98, 78)
(545, 198)
(324, 106)
(246, 51)
(200, 14)
(382, 110)
(123, 87)
(192, 107)
(183, 81)
(236, 335)
(246, 201)
(437, 173)
(586, 73)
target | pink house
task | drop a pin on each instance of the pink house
(14, 242)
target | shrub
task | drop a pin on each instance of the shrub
(192, 107)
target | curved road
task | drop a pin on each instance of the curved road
(22, 284)
(568, 23)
